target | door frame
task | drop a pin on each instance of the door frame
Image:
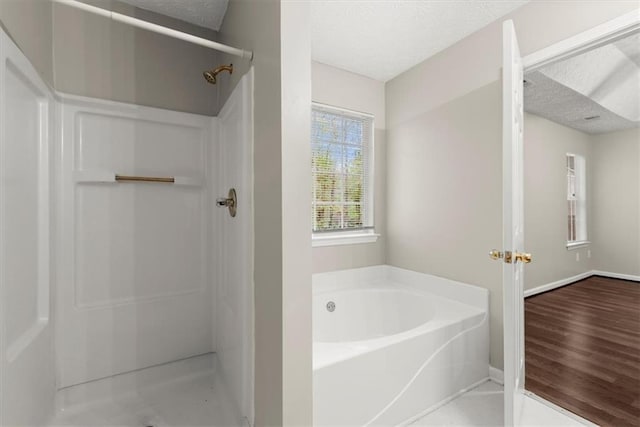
(600, 35)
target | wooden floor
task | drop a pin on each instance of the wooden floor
(582, 349)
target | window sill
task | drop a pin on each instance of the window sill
(343, 238)
(577, 245)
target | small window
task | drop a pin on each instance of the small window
(576, 200)
(342, 170)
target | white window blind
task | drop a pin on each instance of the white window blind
(576, 199)
(342, 169)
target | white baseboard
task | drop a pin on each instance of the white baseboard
(560, 283)
(496, 375)
(557, 284)
(630, 277)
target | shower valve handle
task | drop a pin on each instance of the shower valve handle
(231, 202)
(222, 202)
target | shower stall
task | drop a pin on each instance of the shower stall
(126, 284)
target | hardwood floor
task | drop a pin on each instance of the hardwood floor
(582, 349)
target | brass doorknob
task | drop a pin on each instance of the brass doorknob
(495, 254)
(523, 257)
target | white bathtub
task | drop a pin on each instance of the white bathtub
(396, 345)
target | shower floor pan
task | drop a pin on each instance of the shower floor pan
(184, 393)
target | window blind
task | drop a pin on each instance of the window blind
(341, 160)
(571, 198)
(576, 198)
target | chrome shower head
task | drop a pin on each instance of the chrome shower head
(210, 76)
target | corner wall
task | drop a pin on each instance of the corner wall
(545, 200)
(452, 103)
(277, 32)
(340, 88)
(616, 197)
(445, 195)
(256, 26)
(613, 200)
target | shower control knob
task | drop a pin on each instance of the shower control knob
(224, 202)
(231, 202)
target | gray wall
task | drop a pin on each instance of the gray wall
(455, 98)
(343, 89)
(296, 214)
(282, 212)
(79, 53)
(96, 57)
(257, 27)
(445, 194)
(29, 24)
(613, 200)
(545, 200)
(616, 202)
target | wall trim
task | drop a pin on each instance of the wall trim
(578, 277)
(335, 239)
(630, 277)
(600, 35)
(496, 375)
(557, 284)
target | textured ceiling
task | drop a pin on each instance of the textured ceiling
(603, 82)
(383, 38)
(205, 13)
(547, 98)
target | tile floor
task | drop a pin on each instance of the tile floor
(483, 406)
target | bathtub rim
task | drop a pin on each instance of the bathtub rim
(472, 299)
(465, 293)
(381, 287)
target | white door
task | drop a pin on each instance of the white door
(513, 223)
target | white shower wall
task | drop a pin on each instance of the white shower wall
(134, 287)
(233, 328)
(27, 109)
(99, 277)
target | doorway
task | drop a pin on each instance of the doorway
(581, 163)
(581, 187)
(516, 398)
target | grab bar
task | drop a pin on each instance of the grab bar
(163, 179)
(105, 177)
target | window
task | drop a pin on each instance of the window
(342, 170)
(576, 201)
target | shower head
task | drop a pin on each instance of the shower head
(210, 76)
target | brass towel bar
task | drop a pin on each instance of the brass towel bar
(164, 179)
